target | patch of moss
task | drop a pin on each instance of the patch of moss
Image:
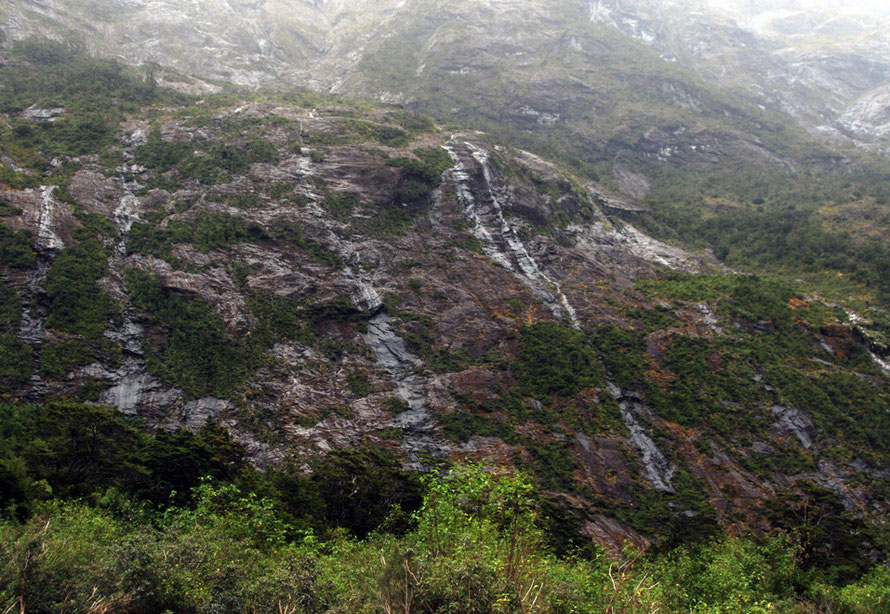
(294, 234)
(15, 361)
(59, 359)
(359, 385)
(7, 209)
(195, 354)
(460, 427)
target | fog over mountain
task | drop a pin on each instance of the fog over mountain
(824, 64)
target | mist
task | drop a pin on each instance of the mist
(753, 8)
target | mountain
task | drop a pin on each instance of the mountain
(265, 263)
(818, 66)
(755, 134)
(824, 68)
(316, 273)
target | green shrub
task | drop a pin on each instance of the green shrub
(7, 209)
(59, 359)
(196, 354)
(207, 163)
(294, 234)
(360, 489)
(16, 248)
(10, 309)
(420, 175)
(473, 544)
(871, 595)
(622, 353)
(460, 427)
(359, 385)
(15, 361)
(731, 576)
(555, 359)
(208, 231)
(340, 206)
(77, 305)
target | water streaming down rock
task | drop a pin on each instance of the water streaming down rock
(393, 357)
(35, 303)
(364, 295)
(710, 318)
(659, 470)
(499, 239)
(32, 326)
(132, 378)
(396, 361)
(125, 215)
(400, 366)
(460, 178)
(885, 366)
(861, 323)
(46, 234)
(134, 389)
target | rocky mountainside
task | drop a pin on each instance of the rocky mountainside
(731, 134)
(317, 273)
(827, 68)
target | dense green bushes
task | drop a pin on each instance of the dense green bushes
(15, 356)
(15, 361)
(206, 162)
(727, 381)
(786, 234)
(317, 251)
(77, 304)
(555, 359)
(94, 94)
(71, 450)
(16, 248)
(206, 232)
(420, 175)
(474, 546)
(7, 209)
(97, 511)
(197, 354)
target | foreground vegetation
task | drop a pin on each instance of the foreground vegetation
(100, 517)
(474, 547)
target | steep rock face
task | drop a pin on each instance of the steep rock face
(274, 42)
(360, 276)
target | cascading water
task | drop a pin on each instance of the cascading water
(400, 365)
(499, 239)
(35, 305)
(131, 377)
(659, 471)
(859, 322)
